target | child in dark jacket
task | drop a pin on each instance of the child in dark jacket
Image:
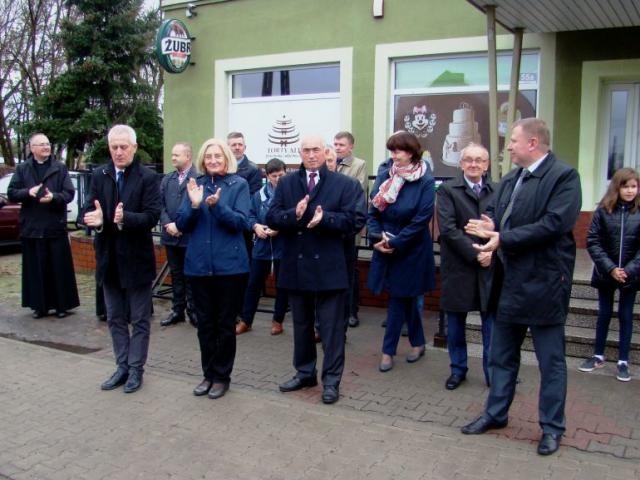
(613, 243)
(267, 249)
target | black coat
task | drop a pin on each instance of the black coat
(251, 173)
(538, 248)
(614, 241)
(129, 250)
(313, 259)
(42, 220)
(172, 194)
(465, 284)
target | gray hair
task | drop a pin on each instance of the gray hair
(123, 130)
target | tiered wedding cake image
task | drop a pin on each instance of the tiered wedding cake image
(462, 131)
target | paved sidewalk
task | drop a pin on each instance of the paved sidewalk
(603, 415)
(57, 424)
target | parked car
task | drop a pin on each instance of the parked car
(9, 213)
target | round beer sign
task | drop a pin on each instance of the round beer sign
(173, 46)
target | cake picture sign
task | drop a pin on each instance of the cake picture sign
(462, 131)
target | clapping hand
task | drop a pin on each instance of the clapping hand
(33, 191)
(118, 217)
(94, 219)
(195, 193)
(301, 207)
(47, 197)
(317, 217)
(480, 227)
(212, 200)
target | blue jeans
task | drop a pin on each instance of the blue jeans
(625, 316)
(457, 342)
(400, 310)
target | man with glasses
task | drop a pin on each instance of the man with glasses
(465, 273)
(43, 186)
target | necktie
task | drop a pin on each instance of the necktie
(507, 213)
(477, 189)
(181, 177)
(120, 182)
(312, 181)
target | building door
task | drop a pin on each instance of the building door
(620, 133)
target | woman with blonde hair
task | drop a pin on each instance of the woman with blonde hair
(215, 212)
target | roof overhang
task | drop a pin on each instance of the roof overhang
(547, 16)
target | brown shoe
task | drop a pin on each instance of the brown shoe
(276, 328)
(242, 327)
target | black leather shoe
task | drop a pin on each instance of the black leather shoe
(218, 390)
(454, 381)
(298, 383)
(203, 388)
(549, 443)
(101, 317)
(481, 425)
(134, 382)
(330, 394)
(172, 319)
(61, 314)
(118, 378)
(38, 314)
(354, 322)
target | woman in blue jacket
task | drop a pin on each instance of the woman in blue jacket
(398, 225)
(267, 250)
(215, 213)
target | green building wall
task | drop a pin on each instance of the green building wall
(243, 28)
(573, 48)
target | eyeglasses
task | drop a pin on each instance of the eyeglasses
(43, 144)
(476, 161)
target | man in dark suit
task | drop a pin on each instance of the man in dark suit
(123, 206)
(529, 225)
(172, 190)
(464, 272)
(314, 209)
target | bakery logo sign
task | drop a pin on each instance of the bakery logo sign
(173, 46)
(283, 136)
(421, 121)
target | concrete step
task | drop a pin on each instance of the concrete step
(590, 320)
(579, 341)
(582, 290)
(586, 306)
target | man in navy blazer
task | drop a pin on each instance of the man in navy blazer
(123, 206)
(530, 226)
(314, 209)
(173, 188)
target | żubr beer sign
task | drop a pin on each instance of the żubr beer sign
(173, 46)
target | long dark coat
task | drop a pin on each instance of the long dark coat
(48, 277)
(538, 249)
(313, 259)
(465, 284)
(614, 241)
(410, 270)
(130, 250)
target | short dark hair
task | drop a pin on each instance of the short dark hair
(274, 165)
(346, 135)
(407, 142)
(235, 135)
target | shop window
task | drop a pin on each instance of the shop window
(290, 81)
(444, 101)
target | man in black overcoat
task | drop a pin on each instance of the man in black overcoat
(464, 272)
(529, 225)
(314, 209)
(123, 206)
